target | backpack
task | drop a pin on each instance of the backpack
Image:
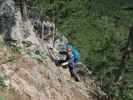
(75, 54)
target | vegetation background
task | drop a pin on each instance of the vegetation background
(99, 29)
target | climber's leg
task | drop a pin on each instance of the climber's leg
(73, 72)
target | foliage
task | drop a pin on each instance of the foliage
(99, 29)
(2, 81)
(2, 98)
(33, 54)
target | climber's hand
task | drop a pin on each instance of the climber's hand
(64, 64)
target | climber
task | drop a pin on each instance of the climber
(71, 59)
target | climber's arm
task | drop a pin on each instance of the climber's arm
(65, 63)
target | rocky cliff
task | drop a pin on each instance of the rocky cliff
(31, 76)
(30, 79)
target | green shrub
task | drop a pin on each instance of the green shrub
(2, 81)
(2, 98)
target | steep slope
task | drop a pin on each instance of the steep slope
(30, 76)
(33, 80)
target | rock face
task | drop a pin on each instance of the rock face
(59, 43)
(13, 27)
(23, 33)
(7, 17)
(31, 80)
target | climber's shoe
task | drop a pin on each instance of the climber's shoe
(77, 79)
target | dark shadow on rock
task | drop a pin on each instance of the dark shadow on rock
(7, 19)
